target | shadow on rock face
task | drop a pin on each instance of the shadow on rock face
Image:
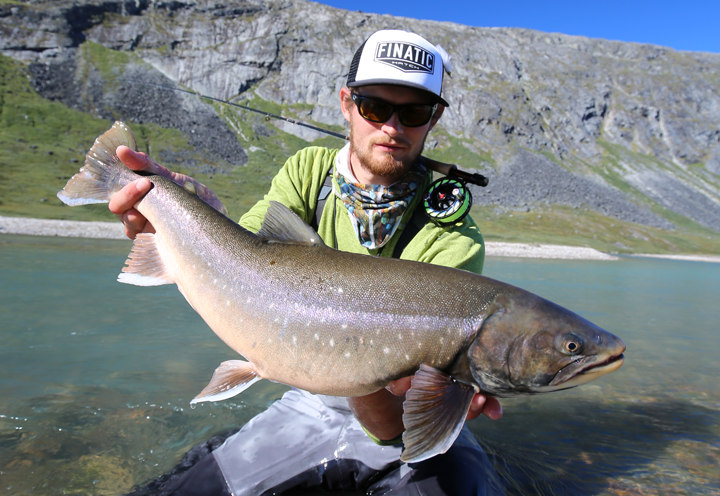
(127, 99)
(530, 178)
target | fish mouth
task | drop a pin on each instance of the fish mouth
(577, 372)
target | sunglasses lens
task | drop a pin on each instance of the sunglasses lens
(374, 111)
(415, 115)
(380, 111)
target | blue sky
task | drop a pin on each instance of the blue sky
(683, 25)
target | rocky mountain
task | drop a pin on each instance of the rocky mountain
(629, 130)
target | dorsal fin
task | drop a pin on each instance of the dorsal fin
(282, 225)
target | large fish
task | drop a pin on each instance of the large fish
(343, 324)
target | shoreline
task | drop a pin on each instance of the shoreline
(115, 230)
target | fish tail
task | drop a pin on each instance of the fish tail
(103, 173)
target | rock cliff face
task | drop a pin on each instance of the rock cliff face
(627, 129)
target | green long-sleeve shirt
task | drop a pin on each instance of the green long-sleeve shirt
(298, 184)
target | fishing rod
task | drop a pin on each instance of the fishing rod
(446, 201)
(267, 115)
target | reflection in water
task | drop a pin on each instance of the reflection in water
(96, 378)
(633, 448)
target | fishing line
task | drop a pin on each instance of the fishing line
(447, 200)
(267, 115)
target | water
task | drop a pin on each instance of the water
(96, 378)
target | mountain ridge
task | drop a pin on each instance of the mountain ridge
(627, 129)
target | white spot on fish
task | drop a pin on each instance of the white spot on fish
(225, 286)
(276, 319)
(347, 355)
(269, 340)
(344, 326)
(271, 305)
(294, 339)
(332, 342)
(316, 336)
(442, 340)
(386, 350)
(340, 290)
(227, 302)
(407, 357)
(362, 340)
(371, 342)
(308, 324)
(419, 345)
(400, 337)
(214, 281)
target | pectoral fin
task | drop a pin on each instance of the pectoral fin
(230, 378)
(435, 409)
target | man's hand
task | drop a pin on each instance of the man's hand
(381, 412)
(123, 202)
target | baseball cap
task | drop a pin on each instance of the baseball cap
(396, 57)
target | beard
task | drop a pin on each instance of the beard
(386, 165)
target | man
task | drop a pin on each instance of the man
(392, 101)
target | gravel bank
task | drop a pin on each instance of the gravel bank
(114, 230)
(687, 258)
(67, 228)
(531, 250)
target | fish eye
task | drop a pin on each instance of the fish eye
(572, 345)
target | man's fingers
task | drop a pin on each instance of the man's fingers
(135, 223)
(491, 407)
(136, 160)
(127, 197)
(399, 387)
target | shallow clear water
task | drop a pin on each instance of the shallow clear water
(96, 378)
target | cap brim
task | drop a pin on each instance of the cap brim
(394, 82)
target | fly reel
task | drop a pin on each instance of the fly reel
(447, 201)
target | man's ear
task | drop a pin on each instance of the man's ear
(436, 117)
(346, 103)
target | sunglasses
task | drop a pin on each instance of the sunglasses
(376, 110)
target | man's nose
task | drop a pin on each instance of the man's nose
(393, 126)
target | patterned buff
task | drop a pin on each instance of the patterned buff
(376, 211)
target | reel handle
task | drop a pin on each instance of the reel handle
(451, 170)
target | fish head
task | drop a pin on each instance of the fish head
(529, 345)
